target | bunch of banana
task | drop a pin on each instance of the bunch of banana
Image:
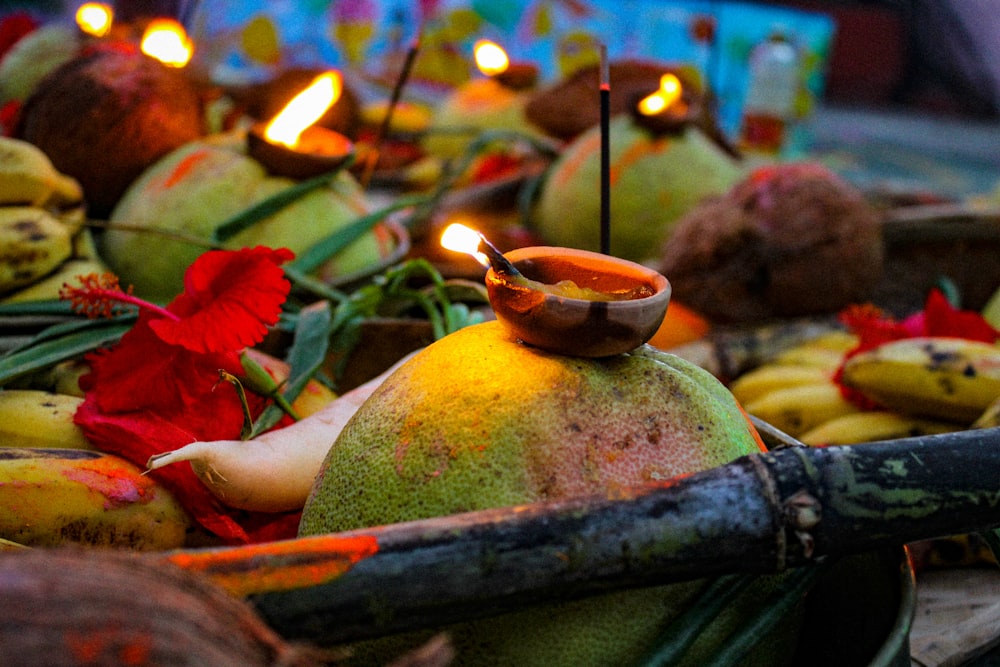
(43, 240)
(50, 497)
(795, 392)
(952, 379)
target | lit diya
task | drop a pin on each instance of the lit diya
(568, 301)
(291, 144)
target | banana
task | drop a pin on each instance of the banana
(28, 177)
(51, 497)
(815, 356)
(953, 379)
(33, 243)
(755, 383)
(48, 287)
(35, 418)
(871, 425)
(796, 410)
(836, 340)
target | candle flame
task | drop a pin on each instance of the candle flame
(94, 18)
(491, 59)
(304, 109)
(167, 41)
(459, 238)
(669, 92)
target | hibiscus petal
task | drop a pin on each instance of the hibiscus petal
(230, 299)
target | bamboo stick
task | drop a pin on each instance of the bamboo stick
(763, 513)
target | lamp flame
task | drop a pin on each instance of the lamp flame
(304, 109)
(167, 41)
(668, 93)
(491, 59)
(94, 18)
(459, 238)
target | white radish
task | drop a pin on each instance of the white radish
(273, 472)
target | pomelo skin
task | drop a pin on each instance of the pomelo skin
(202, 184)
(479, 420)
(654, 181)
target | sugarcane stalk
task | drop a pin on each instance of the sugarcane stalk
(763, 513)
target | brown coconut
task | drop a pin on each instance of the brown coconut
(568, 107)
(789, 240)
(106, 115)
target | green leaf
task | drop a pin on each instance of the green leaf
(306, 355)
(35, 357)
(268, 207)
(321, 251)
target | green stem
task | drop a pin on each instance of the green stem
(247, 427)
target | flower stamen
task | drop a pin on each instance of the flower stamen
(100, 295)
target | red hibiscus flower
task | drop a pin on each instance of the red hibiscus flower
(158, 389)
(938, 318)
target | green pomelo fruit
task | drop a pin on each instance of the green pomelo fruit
(33, 57)
(196, 188)
(479, 420)
(654, 181)
(478, 106)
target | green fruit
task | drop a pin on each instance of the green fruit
(478, 106)
(33, 57)
(480, 420)
(654, 181)
(202, 184)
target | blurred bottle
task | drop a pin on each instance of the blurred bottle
(769, 106)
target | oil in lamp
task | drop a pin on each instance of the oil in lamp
(291, 145)
(568, 301)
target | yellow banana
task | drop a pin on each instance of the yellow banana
(836, 340)
(33, 243)
(50, 497)
(48, 287)
(872, 425)
(795, 410)
(35, 418)
(28, 177)
(945, 378)
(761, 380)
(814, 356)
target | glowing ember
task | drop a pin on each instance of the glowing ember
(304, 109)
(668, 93)
(167, 41)
(459, 238)
(94, 18)
(491, 59)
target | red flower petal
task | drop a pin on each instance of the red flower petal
(230, 299)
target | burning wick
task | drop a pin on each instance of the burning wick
(667, 94)
(167, 41)
(460, 238)
(304, 109)
(492, 60)
(94, 18)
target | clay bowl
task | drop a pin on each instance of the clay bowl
(579, 326)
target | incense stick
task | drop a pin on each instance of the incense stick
(384, 128)
(605, 93)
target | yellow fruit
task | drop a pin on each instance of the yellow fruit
(870, 426)
(479, 420)
(764, 379)
(795, 410)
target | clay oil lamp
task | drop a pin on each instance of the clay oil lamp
(493, 61)
(668, 108)
(291, 145)
(568, 301)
